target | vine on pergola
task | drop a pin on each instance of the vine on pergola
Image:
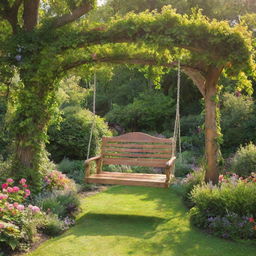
(42, 52)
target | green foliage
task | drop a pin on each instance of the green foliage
(219, 9)
(185, 163)
(244, 161)
(149, 111)
(62, 204)
(234, 196)
(191, 180)
(237, 121)
(74, 169)
(228, 209)
(71, 138)
(52, 226)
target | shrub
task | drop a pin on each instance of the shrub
(185, 163)
(191, 180)
(70, 139)
(74, 169)
(149, 111)
(238, 121)
(60, 203)
(244, 161)
(17, 221)
(227, 210)
(52, 226)
(192, 134)
(56, 180)
(5, 167)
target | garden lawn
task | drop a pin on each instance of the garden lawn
(123, 221)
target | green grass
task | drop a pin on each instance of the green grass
(138, 221)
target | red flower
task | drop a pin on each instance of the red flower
(251, 220)
(5, 185)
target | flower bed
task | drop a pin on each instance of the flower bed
(23, 216)
(227, 209)
(17, 220)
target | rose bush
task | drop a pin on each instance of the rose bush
(17, 220)
(56, 180)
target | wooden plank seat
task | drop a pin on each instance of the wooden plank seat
(133, 149)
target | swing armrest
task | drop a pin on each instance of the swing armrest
(170, 162)
(86, 162)
(88, 166)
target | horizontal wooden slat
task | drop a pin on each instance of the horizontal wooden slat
(119, 145)
(138, 155)
(136, 162)
(122, 175)
(136, 137)
(130, 179)
(113, 139)
(146, 150)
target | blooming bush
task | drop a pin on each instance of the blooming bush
(227, 209)
(189, 182)
(16, 219)
(244, 161)
(56, 180)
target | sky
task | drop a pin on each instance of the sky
(101, 2)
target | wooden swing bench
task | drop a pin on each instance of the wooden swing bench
(133, 149)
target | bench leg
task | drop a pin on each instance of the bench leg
(99, 166)
(168, 172)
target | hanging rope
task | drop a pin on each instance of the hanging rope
(176, 132)
(94, 116)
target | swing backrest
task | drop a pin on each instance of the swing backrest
(137, 149)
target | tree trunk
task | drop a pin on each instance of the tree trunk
(211, 133)
(30, 131)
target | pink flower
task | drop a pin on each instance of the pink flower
(10, 207)
(1, 225)
(10, 181)
(251, 220)
(30, 206)
(35, 209)
(10, 190)
(3, 196)
(20, 207)
(23, 181)
(15, 204)
(24, 185)
(221, 177)
(16, 189)
(27, 191)
(5, 185)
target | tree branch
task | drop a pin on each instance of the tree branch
(76, 13)
(30, 14)
(11, 13)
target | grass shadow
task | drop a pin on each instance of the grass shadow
(116, 225)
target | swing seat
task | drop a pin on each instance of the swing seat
(133, 149)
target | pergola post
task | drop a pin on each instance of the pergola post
(211, 133)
